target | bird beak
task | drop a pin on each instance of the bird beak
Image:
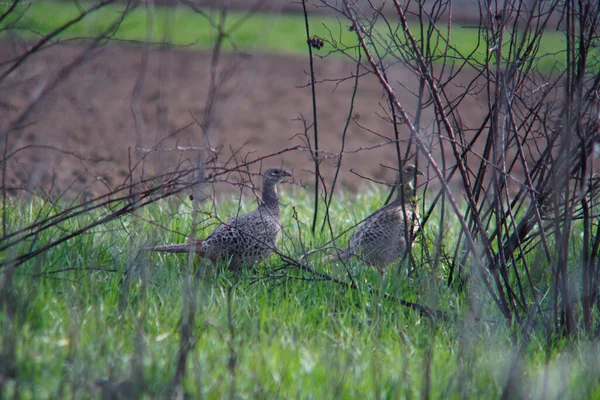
(286, 175)
(419, 172)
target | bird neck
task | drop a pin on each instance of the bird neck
(406, 192)
(269, 195)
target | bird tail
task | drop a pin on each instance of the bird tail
(175, 248)
(339, 255)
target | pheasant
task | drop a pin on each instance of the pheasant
(385, 235)
(247, 238)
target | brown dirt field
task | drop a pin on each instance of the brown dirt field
(91, 113)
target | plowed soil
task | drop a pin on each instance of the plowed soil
(89, 116)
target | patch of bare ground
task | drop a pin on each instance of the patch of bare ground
(116, 103)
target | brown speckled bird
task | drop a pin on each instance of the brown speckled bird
(382, 237)
(245, 239)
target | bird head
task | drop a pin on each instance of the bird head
(406, 176)
(276, 174)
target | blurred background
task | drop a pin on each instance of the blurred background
(85, 114)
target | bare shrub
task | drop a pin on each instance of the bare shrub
(526, 190)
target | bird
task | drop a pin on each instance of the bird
(245, 239)
(385, 235)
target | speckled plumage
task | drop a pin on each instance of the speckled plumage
(247, 238)
(382, 237)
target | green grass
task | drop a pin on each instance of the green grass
(276, 33)
(290, 338)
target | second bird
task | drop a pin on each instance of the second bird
(385, 235)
